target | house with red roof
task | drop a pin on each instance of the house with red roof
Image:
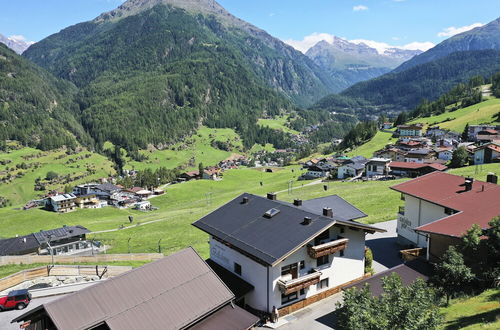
(413, 170)
(486, 153)
(440, 207)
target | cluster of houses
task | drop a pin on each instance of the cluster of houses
(415, 153)
(98, 195)
(269, 258)
(215, 172)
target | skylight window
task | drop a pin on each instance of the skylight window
(271, 213)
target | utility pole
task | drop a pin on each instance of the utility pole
(128, 244)
(159, 246)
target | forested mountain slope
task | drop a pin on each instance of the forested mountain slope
(35, 107)
(404, 90)
(480, 38)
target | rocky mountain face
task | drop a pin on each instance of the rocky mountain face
(484, 37)
(17, 45)
(354, 62)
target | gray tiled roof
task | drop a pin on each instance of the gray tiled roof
(271, 239)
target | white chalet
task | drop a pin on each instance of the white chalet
(290, 255)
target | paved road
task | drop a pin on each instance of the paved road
(7, 316)
(384, 247)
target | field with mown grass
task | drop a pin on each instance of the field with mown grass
(481, 113)
(479, 312)
(278, 123)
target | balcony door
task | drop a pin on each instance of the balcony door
(290, 269)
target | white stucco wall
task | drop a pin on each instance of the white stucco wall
(339, 270)
(417, 213)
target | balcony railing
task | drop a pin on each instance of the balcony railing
(401, 210)
(316, 251)
(297, 284)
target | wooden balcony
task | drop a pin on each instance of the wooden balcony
(297, 284)
(324, 249)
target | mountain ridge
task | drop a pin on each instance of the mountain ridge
(479, 38)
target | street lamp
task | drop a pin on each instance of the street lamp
(128, 244)
(51, 249)
(159, 246)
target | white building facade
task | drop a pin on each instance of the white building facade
(270, 282)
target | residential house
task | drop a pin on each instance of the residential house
(420, 155)
(317, 171)
(488, 135)
(353, 167)
(65, 240)
(387, 125)
(410, 130)
(61, 203)
(440, 207)
(412, 170)
(142, 206)
(88, 202)
(475, 129)
(392, 153)
(291, 254)
(485, 154)
(176, 292)
(435, 132)
(377, 167)
(212, 173)
(188, 176)
(445, 153)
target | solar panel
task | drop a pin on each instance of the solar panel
(271, 213)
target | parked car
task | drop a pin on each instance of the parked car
(18, 299)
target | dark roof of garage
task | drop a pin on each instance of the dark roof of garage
(409, 272)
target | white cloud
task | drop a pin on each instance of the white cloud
(309, 41)
(20, 38)
(312, 39)
(451, 31)
(359, 8)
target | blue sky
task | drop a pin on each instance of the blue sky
(409, 23)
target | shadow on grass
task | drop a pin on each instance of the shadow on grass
(490, 316)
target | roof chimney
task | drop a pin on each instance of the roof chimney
(492, 178)
(271, 196)
(307, 221)
(297, 202)
(245, 200)
(328, 212)
(468, 184)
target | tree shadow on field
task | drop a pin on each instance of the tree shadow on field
(486, 317)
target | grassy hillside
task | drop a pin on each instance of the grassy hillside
(278, 123)
(90, 166)
(380, 140)
(200, 147)
(479, 312)
(480, 113)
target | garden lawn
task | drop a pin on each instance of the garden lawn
(481, 113)
(479, 312)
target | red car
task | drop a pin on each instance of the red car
(18, 299)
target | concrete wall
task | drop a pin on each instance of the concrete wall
(417, 213)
